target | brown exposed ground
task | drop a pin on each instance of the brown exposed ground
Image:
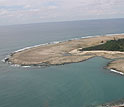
(117, 65)
(67, 52)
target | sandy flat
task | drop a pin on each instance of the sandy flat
(117, 65)
(66, 52)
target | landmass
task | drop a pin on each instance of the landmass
(119, 103)
(110, 45)
(71, 51)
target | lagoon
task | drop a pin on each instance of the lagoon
(73, 85)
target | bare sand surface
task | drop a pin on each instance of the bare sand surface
(117, 65)
(68, 52)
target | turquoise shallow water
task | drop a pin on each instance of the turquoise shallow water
(72, 85)
(84, 84)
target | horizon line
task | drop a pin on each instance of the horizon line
(60, 21)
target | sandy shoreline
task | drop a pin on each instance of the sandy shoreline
(67, 52)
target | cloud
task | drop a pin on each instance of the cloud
(31, 11)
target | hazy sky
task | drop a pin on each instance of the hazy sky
(33, 11)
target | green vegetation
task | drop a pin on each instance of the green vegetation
(112, 45)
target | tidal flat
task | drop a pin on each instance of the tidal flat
(68, 52)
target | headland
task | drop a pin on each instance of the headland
(70, 51)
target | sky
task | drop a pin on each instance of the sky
(36, 11)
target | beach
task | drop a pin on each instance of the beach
(67, 52)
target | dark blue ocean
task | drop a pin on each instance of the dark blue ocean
(83, 84)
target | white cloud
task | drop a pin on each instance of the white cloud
(26, 11)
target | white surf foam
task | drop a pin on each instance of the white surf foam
(55, 42)
(4, 60)
(117, 71)
(26, 66)
(114, 34)
(15, 65)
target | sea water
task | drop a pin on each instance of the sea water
(81, 84)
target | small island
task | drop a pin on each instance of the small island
(71, 51)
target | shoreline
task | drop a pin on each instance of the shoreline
(62, 52)
(116, 103)
(55, 42)
(115, 71)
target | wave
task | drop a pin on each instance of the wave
(55, 42)
(15, 65)
(6, 58)
(117, 71)
(3, 60)
(114, 34)
(26, 66)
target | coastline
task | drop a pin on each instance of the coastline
(118, 103)
(55, 42)
(115, 71)
(65, 52)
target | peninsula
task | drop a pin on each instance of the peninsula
(73, 51)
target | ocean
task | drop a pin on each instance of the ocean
(84, 84)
